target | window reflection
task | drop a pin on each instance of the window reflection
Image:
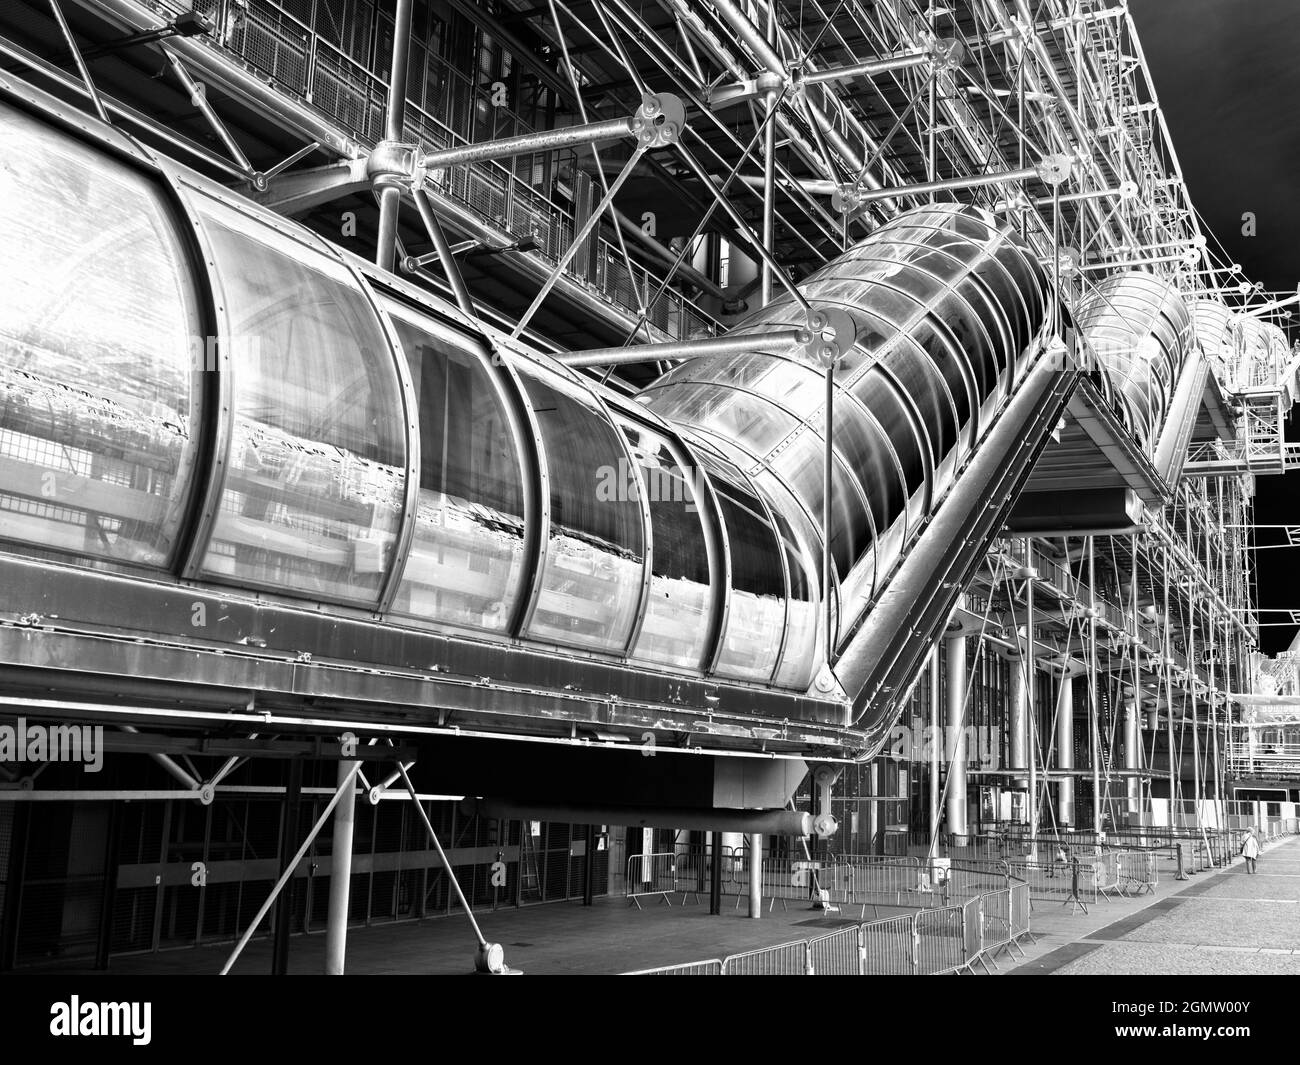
(315, 485)
(756, 618)
(99, 341)
(467, 557)
(678, 612)
(592, 573)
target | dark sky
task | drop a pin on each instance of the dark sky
(1228, 76)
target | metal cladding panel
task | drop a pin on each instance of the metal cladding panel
(947, 302)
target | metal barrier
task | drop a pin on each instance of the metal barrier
(1136, 872)
(948, 939)
(889, 946)
(995, 923)
(695, 869)
(1057, 880)
(836, 954)
(940, 941)
(785, 959)
(650, 874)
(1020, 912)
(878, 884)
(709, 967)
(1106, 865)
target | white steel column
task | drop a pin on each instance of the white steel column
(936, 731)
(1019, 719)
(336, 928)
(1132, 784)
(1065, 748)
(756, 875)
(955, 735)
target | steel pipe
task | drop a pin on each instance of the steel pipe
(610, 129)
(694, 818)
(681, 349)
(947, 185)
(868, 69)
(955, 747)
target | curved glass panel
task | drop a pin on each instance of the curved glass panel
(1138, 326)
(592, 571)
(467, 556)
(945, 300)
(751, 639)
(315, 484)
(799, 658)
(676, 625)
(100, 344)
(802, 466)
(730, 413)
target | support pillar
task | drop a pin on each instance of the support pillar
(955, 737)
(1018, 724)
(1132, 732)
(1065, 749)
(104, 943)
(289, 834)
(756, 875)
(336, 931)
(936, 730)
(715, 874)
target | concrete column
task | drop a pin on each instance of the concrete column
(756, 875)
(1065, 749)
(955, 735)
(1018, 723)
(1132, 737)
(336, 929)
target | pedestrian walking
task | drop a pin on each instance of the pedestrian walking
(1250, 850)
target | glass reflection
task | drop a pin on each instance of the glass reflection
(591, 575)
(315, 483)
(677, 616)
(99, 344)
(467, 555)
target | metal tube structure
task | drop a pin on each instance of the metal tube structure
(756, 875)
(1031, 710)
(347, 783)
(727, 344)
(1133, 786)
(955, 746)
(390, 196)
(609, 129)
(450, 268)
(1167, 663)
(1094, 708)
(934, 746)
(1065, 748)
(769, 196)
(924, 188)
(169, 764)
(886, 65)
(336, 921)
(79, 61)
(1018, 725)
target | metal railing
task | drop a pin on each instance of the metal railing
(927, 942)
(649, 875)
(303, 62)
(1058, 880)
(708, 967)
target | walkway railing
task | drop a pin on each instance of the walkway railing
(948, 939)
